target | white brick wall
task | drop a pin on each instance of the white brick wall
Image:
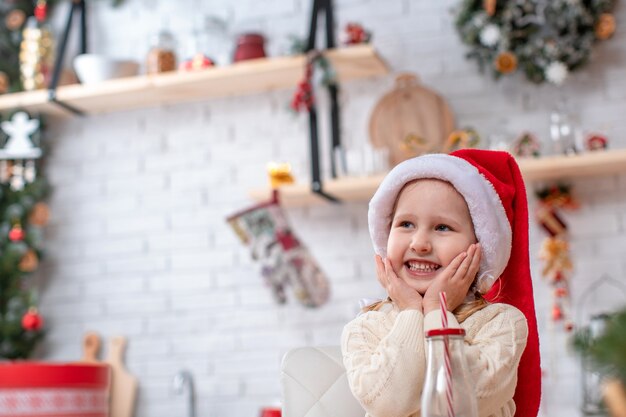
(138, 245)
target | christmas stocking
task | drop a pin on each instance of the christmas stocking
(284, 260)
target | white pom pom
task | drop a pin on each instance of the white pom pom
(490, 35)
(556, 72)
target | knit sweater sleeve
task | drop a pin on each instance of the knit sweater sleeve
(385, 361)
(496, 338)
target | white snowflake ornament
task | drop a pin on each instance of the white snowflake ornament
(556, 72)
(490, 35)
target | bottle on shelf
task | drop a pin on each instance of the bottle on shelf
(564, 130)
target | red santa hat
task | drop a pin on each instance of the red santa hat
(493, 188)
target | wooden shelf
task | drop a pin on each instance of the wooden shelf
(548, 168)
(346, 189)
(565, 167)
(247, 77)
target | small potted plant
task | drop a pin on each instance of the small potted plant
(606, 353)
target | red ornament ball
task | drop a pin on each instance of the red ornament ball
(32, 321)
(16, 234)
(41, 11)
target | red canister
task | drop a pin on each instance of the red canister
(271, 412)
(249, 46)
(39, 389)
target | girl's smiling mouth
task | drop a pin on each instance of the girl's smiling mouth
(416, 267)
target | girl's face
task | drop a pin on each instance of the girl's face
(430, 227)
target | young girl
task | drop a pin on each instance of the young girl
(456, 223)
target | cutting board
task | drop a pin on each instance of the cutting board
(410, 120)
(123, 384)
(91, 347)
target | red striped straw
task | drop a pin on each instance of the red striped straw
(446, 354)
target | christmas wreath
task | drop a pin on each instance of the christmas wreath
(546, 39)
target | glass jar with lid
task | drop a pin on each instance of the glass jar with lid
(162, 54)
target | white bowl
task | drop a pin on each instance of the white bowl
(92, 68)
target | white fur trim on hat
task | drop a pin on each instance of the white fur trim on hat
(491, 225)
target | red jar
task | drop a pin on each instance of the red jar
(249, 46)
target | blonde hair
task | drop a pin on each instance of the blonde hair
(463, 311)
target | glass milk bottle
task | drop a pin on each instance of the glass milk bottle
(448, 389)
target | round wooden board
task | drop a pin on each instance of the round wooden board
(410, 120)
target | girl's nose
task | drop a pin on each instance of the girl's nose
(420, 243)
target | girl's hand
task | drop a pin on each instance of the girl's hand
(404, 296)
(455, 280)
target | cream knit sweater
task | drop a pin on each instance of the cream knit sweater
(384, 353)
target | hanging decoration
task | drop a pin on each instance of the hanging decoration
(16, 234)
(555, 249)
(22, 217)
(462, 139)
(32, 321)
(526, 145)
(285, 261)
(544, 39)
(354, 34)
(596, 142)
(40, 214)
(303, 98)
(19, 130)
(36, 50)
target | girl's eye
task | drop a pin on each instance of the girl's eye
(405, 224)
(443, 228)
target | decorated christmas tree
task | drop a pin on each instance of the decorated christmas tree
(13, 17)
(23, 214)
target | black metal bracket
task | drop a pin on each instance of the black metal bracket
(77, 6)
(325, 6)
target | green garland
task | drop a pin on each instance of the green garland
(545, 39)
(607, 351)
